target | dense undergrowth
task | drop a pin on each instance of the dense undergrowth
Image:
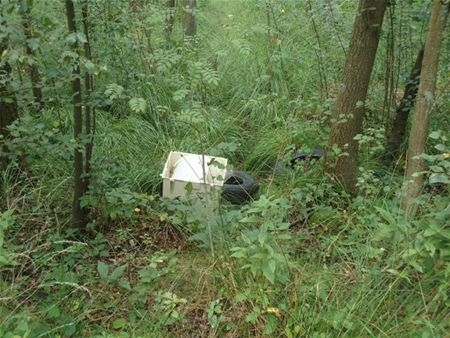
(304, 259)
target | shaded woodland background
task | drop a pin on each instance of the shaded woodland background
(94, 94)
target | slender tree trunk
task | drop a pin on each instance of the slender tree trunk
(8, 102)
(318, 52)
(397, 133)
(170, 19)
(330, 7)
(349, 111)
(88, 85)
(425, 101)
(35, 76)
(270, 44)
(389, 65)
(79, 217)
(189, 21)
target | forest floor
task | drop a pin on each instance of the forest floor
(303, 259)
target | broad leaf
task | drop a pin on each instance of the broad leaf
(118, 272)
(119, 323)
(102, 269)
(269, 270)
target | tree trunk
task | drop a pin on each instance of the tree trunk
(396, 136)
(170, 19)
(88, 85)
(349, 111)
(8, 102)
(189, 21)
(79, 217)
(425, 101)
(35, 76)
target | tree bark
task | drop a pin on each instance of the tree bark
(79, 216)
(396, 137)
(8, 102)
(88, 85)
(424, 105)
(189, 21)
(35, 76)
(349, 111)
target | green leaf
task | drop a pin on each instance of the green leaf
(71, 38)
(440, 147)
(238, 254)
(269, 270)
(430, 247)
(54, 312)
(118, 272)
(89, 66)
(416, 265)
(102, 269)
(436, 168)
(262, 237)
(180, 94)
(114, 91)
(138, 105)
(241, 297)
(189, 187)
(124, 283)
(252, 317)
(270, 325)
(435, 135)
(119, 323)
(438, 178)
(387, 216)
(359, 104)
(69, 330)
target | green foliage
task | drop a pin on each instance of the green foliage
(6, 221)
(256, 85)
(138, 105)
(215, 316)
(259, 250)
(115, 277)
(421, 245)
(168, 306)
(32, 140)
(439, 161)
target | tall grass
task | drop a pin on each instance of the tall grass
(269, 102)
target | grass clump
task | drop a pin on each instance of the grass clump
(301, 259)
